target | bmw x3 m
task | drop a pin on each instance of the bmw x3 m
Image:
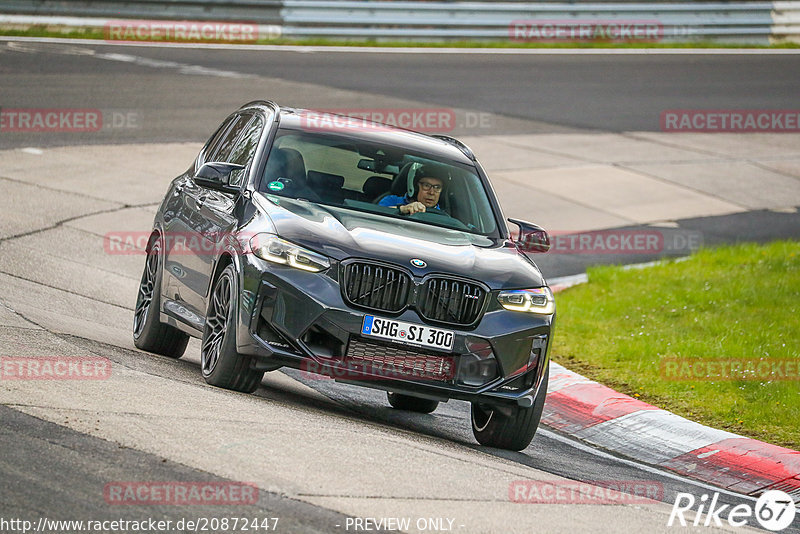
(354, 250)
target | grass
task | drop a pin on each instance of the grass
(98, 34)
(736, 302)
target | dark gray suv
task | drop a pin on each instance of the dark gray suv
(374, 255)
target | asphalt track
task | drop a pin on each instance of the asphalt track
(533, 93)
(179, 94)
(55, 468)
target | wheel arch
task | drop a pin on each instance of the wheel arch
(225, 258)
(154, 235)
(231, 257)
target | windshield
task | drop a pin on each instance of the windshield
(365, 176)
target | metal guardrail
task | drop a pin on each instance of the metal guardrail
(261, 11)
(786, 21)
(750, 22)
(438, 20)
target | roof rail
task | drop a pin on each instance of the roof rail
(266, 103)
(467, 151)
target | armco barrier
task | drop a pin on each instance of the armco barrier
(261, 11)
(749, 22)
(786, 21)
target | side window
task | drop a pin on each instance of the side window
(223, 149)
(212, 144)
(244, 151)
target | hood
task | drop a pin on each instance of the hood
(344, 233)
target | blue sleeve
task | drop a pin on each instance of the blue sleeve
(391, 201)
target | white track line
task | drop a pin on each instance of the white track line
(644, 467)
(424, 50)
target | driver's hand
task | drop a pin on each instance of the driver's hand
(412, 208)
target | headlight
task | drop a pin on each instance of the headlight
(276, 250)
(539, 300)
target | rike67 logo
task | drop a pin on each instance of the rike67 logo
(774, 510)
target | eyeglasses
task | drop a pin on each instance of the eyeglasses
(427, 186)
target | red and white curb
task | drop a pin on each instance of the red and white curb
(626, 426)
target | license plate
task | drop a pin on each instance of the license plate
(410, 334)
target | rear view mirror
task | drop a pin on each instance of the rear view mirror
(532, 237)
(367, 165)
(217, 175)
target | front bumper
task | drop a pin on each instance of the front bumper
(299, 319)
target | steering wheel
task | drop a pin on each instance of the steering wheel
(437, 211)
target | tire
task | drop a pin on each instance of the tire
(412, 404)
(514, 432)
(221, 364)
(149, 333)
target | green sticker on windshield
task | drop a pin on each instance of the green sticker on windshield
(275, 186)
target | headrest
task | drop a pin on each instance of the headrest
(375, 186)
(401, 181)
(323, 180)
(286, 163)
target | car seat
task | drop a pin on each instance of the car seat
(400, 183)
(376, 187)
(286, 166)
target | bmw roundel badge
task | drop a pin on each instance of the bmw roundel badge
(416, 262)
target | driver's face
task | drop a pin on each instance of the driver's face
(429, 191)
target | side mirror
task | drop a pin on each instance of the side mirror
(532, 237)
(217, 175)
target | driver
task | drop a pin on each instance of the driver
(428, 184)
